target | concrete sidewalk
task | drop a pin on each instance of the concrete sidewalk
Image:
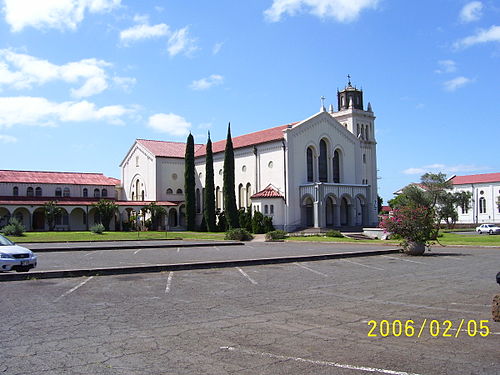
(39, 247)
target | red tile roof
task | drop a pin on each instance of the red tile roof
(476, 178)
(66, 178)
(37, 201)
(178, 149)
(166, 149)
(268, 192)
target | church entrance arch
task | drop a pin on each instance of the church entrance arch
(361, 214)
(345, 214)
(307, 211)
(39, 219)
(172, 218)
(330, 208)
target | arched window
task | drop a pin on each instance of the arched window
(15, 191)
(142, 195)
(241, 196)
(323, 162)
(66, 192)
(29, 192)
(482, 205)
(179, 191)
(137, 187)
(38, 191)
(198, 201)
(133, 196)
(170, 191)
(85, 192)
(249, 194)
(310, 165)
(366, 132)
(336, 166)
(104, 193)
(97, 193)
(58, 192)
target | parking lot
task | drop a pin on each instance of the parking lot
(297, 318)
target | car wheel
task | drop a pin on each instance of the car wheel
(479, 232)
(491, 232)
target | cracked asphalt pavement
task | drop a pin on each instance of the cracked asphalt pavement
(304, 318)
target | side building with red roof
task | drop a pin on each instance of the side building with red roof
(319, 172)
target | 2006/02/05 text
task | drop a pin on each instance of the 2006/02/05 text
(435, 328)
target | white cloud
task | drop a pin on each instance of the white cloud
(143, 31)
(38, 111)
(180, 41)
(206, 83)
(340, 10)
(169, 123)
(21, 71)
(217, 48)
(482, 36)
(56, 14)
(456, 83)
(447, 169)
(125, 83)
(471, 11)
(7, 138)
(446, 66)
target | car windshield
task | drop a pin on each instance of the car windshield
(5, 242)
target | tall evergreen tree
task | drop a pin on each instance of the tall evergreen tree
(189, 184)
(209, 203)
(230, 208)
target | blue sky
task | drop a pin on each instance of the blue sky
(81, 79)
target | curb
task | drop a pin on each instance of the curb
(186, 266)
(128, 247)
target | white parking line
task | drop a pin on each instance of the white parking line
(216, 248)
(248, 277)
(86, 255)
(316, 362)
(364, 265)
(310, 269)
(178, 249)
(73, 289)
(169, 282)
(404, 260)
(135, 252)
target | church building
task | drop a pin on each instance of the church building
(319, 172)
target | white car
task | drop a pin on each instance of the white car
(14, 257)
(488, 228)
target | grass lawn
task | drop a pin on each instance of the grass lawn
(447, 239)
(112, 236)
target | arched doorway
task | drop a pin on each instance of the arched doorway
(23, 216)
(39, 219)
(361, 214)
(345, 217)
(4, 217)
(172, 218)
(330, 205)
(182, 216)
(78, 219)
(307, 212)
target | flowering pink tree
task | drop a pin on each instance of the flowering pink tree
(413, 224)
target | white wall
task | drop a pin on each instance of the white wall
(139, 164)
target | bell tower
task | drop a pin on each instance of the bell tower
(350, 97)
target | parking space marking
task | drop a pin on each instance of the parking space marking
(178, 249)
(135, 252)
(169, 282)
(216, 248)
(404, 260)
(73, 289)
(310, 269)
(315, 362)
(86, 255)
(469, 304)
(246, 275)
(364, 265)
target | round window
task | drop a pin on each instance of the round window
(481, 192)
(174, 176)
(200, 175)
(220, 172)
(270, 164)
(244, 168)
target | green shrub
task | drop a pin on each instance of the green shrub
(97, 228)
(334, 233)
(258, 223)
(268, 224)
(14, 228)
(276, 235)
(238, 234)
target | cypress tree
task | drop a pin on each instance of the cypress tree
(189, 184)
(230, 208)
(209, 204)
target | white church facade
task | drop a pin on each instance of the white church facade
(320, 172)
